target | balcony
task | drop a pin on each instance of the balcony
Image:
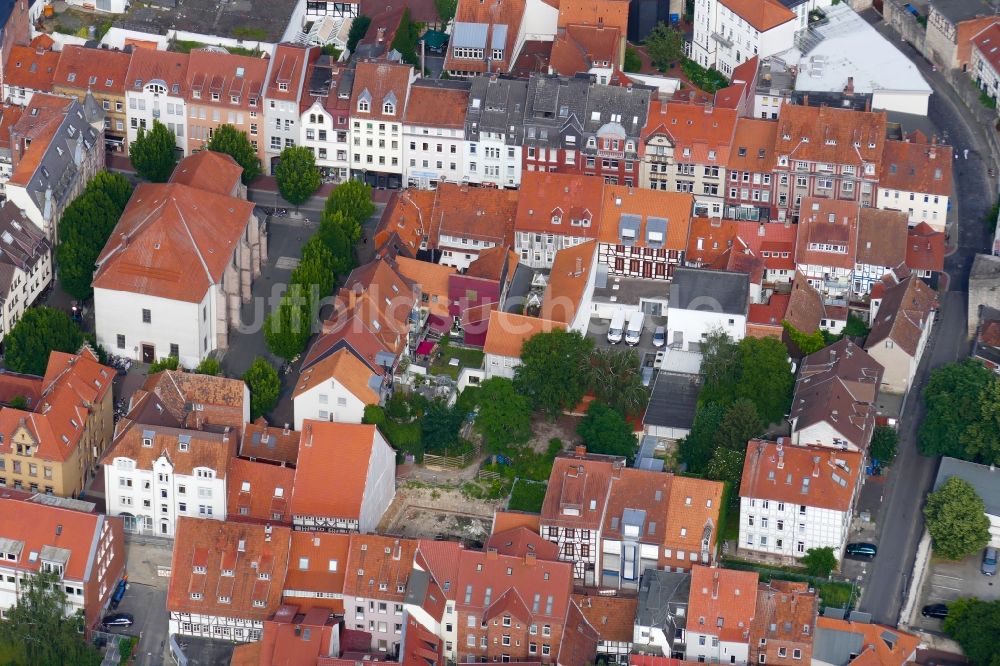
(722, 39)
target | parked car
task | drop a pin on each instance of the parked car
(937, 611)
(868, 550)
(659, 336)
(118, 620)
(989, 566)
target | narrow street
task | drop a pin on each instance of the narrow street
(901, 519)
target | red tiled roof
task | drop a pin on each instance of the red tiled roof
(327, 451)
(722, 603)
(674, 207)
(925, 248)
(317, 562)
(259, 491)
(494, 13)
(31, 68)
(773, 471)
(829, 135)
(709, 238)
(612, 617)
(344, 367)
(382, 83)
(578, 490)
(785, 622)
(172, 241)
(753, 145)
(568, 282)
(482, 213)
(827, 222)
(97, 70)
(519, 541)
(263, 442)
(762, 15)
(774, 243)
(227, 569)
(545, 196)
(209, 171)
(577, 48)
(987, 42)
(507, 332)
(903, 315)
(436, 107)
(285, 75)
(883, 645)
(378, 567)
(40, 526)
(881, 237)
(916, 167)
(706, 132)
(167, 66)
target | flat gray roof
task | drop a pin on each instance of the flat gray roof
(984, 478)
(710, 291)
(673, 400)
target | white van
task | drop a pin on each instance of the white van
(634, 331)
(617, 327)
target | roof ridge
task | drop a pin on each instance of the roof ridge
(198, 253)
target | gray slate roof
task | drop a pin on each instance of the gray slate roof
(961, 10)
(661, 595)
(673, 400)
(984, 479)
(22, 245)
(710, 291)
(834, 646)
(496, 105)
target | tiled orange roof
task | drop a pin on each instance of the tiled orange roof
(209, 171)
(38, 125)
(495, 584)
(578, 489)
(916, 167)
(829, 135)
(382, 83)
(173, 242)
(407, 216)
(827, 222)
(775, 472)
(318, 563)
(693, 505)
(785, 622)
(274, 444)
(925, 248)
(762, 15)
(508, 520)
(987, 42)
(520, 541)
(285, 74)
(491, 263)
(507, 332)
(378, 567)
(575, 200)
(433, 281)
(498, 15)
(886, 646)
(774, 243)
(881, 237)
(609, 13)
(709, 238)
(753, 145)
(97, 70)
(482, 213)
(333, 450)
(613, 617)
(346, 369)
(227, 569)
(226, 75)
(703, 130)
(568, 282)
(770, 313)
(722, 603)
(219, 401)
(258, 491)
(436, 107)
(674, 207)
(167, 66)
(39, 526)
(31, 68)
(186, 450)
(577, 48)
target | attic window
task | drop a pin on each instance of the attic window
(108, 82)
(138, 82)
(72, 77)
(147, 442)
(92, 80)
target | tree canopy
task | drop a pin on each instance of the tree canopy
(265, 386)
(956, 519)
(884, 444)
(168, 363)
(439, 426)
(605, 430)
(233, 142)
(963, 413)
(353, 200)
(297, 175)
(504, 417)
(406, 38)
(359, 28)
(553, 370)
(152, 153)
(332, 232)
(975, 625)
(115, 185)
(40, 331)
(209, 366)
(665, 46)
(820, 562)
(287, 328)
(37, 632)
(696, 449)
(615, 378)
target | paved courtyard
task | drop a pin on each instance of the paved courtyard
(947, 581)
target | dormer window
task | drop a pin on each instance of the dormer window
(215, 97)
(235, 99)
(389, 109)
(228, 572)
(199, 569)
(196, 94)
(283, 87)
(72, 77)
(556, 219)
(147, 442)
(363, 106)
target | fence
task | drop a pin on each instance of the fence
(451, 462)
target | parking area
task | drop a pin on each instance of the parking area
(146, 598)
(597, 330)
(205, 651)
(947, 581)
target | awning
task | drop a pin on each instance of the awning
(425, 348)
(435, 39)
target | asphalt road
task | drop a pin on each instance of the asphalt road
(901, 520)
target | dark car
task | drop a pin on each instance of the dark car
(118, 620)
(937, 611)
(989, 566)
(868, 550)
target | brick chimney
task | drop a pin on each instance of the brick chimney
(580, 451)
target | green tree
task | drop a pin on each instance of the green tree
(233, 142)
(288, 327)
(552, 374)
(168, 363)
(446, 10)
(40, 331)
(962, 401)
(353, 200)
(406, 38)
(615, 378)
(975, 624)
(332, 232)
(633, 63)
(884, 444)
(766, 377)
(37, 631)
(440, 425)
(265, 387)
(956, 520)
(504, 415)
(153, 153)
(84, 229)
(315, 271)
(297, 175)
(727, 465)
(665, 46)
(605, 430)
(740, 423)
(359, 28)
(696, 449)
(807, 343)
(19, 402)
(115, 185)
(209, 366)
(819, 562)
(720, 368)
